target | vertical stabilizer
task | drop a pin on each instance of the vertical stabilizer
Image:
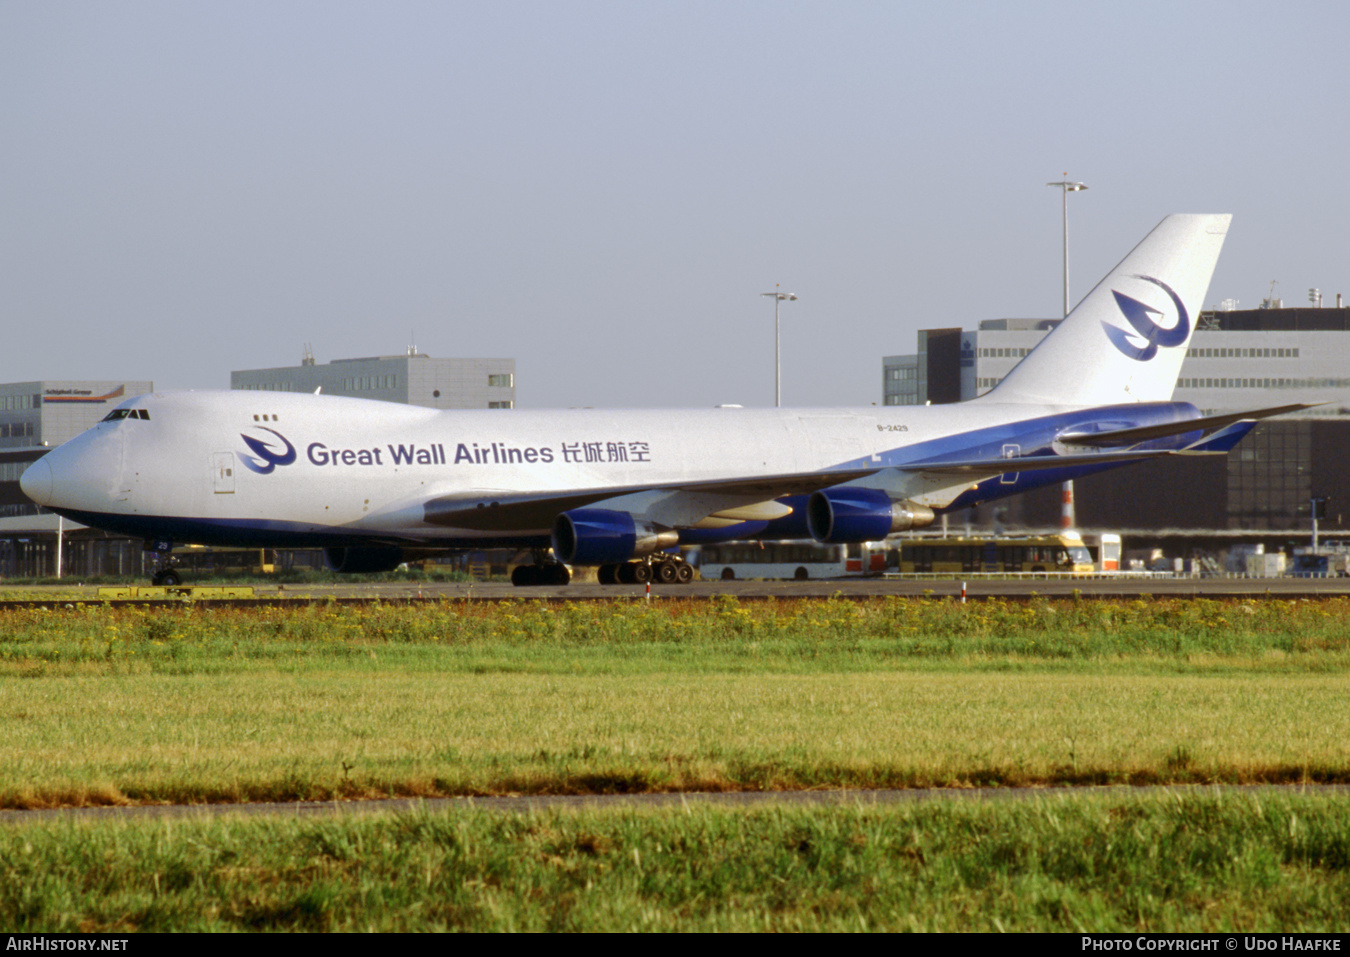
(1125, 341)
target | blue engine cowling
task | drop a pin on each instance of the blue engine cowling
(601, 536)
(370, 559)
(789, 526)
(846, 514)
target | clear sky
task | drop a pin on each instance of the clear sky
(602, 190)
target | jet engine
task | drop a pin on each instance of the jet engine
(848, 513)
(600, 536)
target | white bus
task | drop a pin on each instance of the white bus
(799, 561)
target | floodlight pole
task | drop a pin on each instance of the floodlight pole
(777, 353)
(1068, 187)
(1067, 516)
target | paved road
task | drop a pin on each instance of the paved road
(975, 588)
(525, 804)
(854, 588)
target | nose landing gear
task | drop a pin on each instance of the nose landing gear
(165, 571)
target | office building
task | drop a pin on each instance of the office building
(414, 379)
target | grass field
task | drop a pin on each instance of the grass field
(1170, 862)
(206, 704)
(201, 704)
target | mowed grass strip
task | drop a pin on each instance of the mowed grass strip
(1176, 862)
(197, 704)
(722, 634)
(332, 734)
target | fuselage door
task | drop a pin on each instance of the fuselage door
(1010, 451)
(222, 468)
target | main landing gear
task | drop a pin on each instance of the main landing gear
(663, 568)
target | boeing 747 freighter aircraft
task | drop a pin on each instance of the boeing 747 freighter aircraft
(374, 483)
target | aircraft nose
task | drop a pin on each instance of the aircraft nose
(36, 481)
(82, 475)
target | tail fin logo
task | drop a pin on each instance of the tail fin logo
(1142, 340)
(270, 455)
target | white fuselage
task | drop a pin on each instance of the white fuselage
(324, 464)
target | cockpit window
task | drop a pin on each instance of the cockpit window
(116, 415)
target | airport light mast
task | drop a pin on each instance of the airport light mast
(1068, 187)
(777, 360)
(1067, 518)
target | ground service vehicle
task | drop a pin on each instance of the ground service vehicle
(1064, 553)
(783, 560)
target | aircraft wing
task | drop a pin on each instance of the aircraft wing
(508, 511)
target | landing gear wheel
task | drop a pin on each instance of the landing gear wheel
(666, 573)
(607, 574)
(523, 575)
(169, 578)
(684, 574)
(642, 573)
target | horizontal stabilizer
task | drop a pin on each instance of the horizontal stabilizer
(1222, 441)
(1234, 430)
(1144, 433)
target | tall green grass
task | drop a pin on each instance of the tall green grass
(1172, 863)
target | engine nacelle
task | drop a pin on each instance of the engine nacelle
(789, 526)
(846, 514)
(363, 559)
(600, 536)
